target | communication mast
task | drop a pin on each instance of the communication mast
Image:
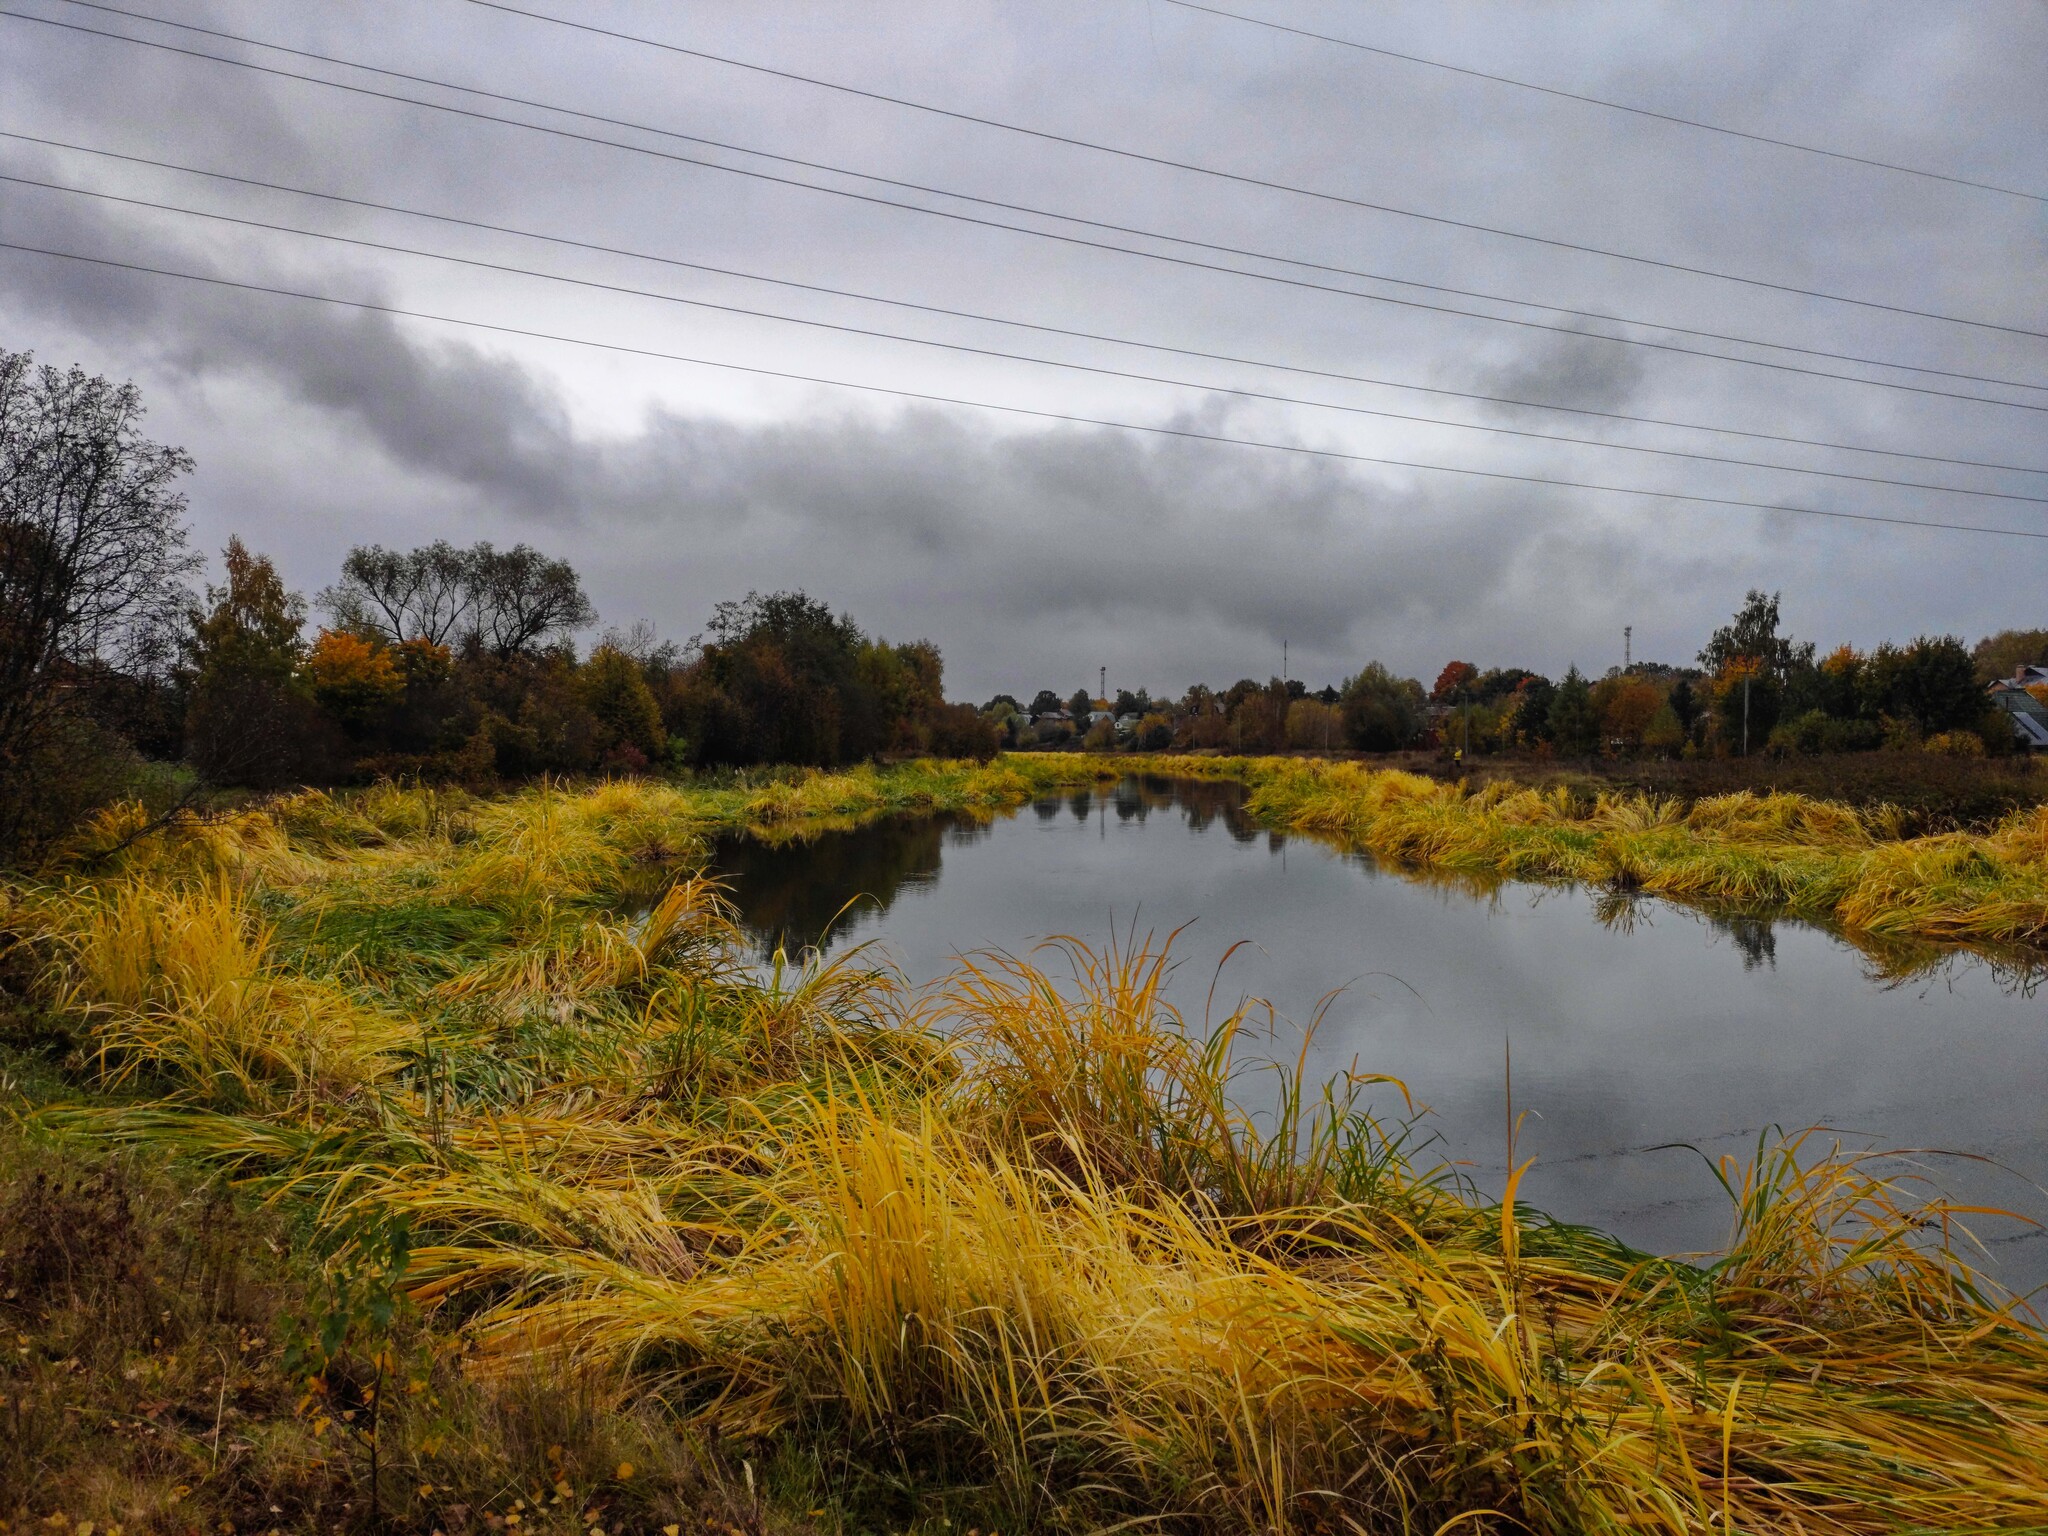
(1102, 686)
(1627, 630)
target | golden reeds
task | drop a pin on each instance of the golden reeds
(1761, 853)
(1022, 1228)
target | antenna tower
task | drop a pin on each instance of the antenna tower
(1627, 630)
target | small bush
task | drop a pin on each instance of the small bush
(1816, 732)
(75, 768)
(958, 730)
(1954, 744)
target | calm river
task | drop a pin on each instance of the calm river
(1629, 1028)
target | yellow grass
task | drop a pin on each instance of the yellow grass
(1020, 1232)
(1774, 853)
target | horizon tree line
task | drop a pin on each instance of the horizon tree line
(460, 663)
(1752, 689)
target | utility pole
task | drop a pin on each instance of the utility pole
(1745, 713)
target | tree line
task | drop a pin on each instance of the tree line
(440, 661)
(1752, 690)
(119, 679)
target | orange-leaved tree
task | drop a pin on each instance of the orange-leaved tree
(354, 681)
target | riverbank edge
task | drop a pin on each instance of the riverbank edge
(351, 957)
(1848, 869)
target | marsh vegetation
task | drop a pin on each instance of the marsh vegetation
(573, 1216)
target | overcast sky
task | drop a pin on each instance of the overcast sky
(1034, 551)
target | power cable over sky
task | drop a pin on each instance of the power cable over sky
(1083, 327)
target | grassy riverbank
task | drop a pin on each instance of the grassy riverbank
(569, 1221)
(1780, 854)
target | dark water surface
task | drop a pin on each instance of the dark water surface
(1631, 1026)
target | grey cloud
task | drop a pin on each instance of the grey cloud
(1035, 552)
(444, 408)
(1579, 371)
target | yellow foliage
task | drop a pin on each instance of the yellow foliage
(1954, 744)
(176, 980)
(1024, 1220)
(351, 678)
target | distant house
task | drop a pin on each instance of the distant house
(1054, 725)
(1095, 716)
(1125, 724)
(2028, 715)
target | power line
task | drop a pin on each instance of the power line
(1240, 178)
(1024, 208)
(1616, 106)
(1186, 433)
(955, 216)
(1015, 357)
(973, 315)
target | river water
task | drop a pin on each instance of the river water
(1631, 1026)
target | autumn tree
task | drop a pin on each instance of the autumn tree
(1381, 712)
(2001, 655)
(1685, 705)
(1313, 725)
(395, 596)
(1753, 633)
(1574, 723)
(92, 557)
(1664, 735)
(1498, 683)
(1526, 711)
(1455, 683)
(781, 678)
(523, 599)
(615, 691)
(1259, 722)
(1930, 682)
(354, 681)
(1625, 707)
(961, 730)
(1840, 687)
(252, 720)
(901, 691)
(504, 603)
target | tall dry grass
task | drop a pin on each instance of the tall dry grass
(1022, 1234)
(1775, 854)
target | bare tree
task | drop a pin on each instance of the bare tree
(503, 601)
(522, 599)
(422, 594)
(642, 641)
(92, 539)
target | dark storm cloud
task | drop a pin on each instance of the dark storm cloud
(1035, 551)
(1579, 371)
(445, 409)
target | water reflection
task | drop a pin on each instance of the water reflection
(1650, 1024)
(804, 892)
(810, 887)
(809, 890)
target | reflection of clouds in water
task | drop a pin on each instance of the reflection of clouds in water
(1649, 1024)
